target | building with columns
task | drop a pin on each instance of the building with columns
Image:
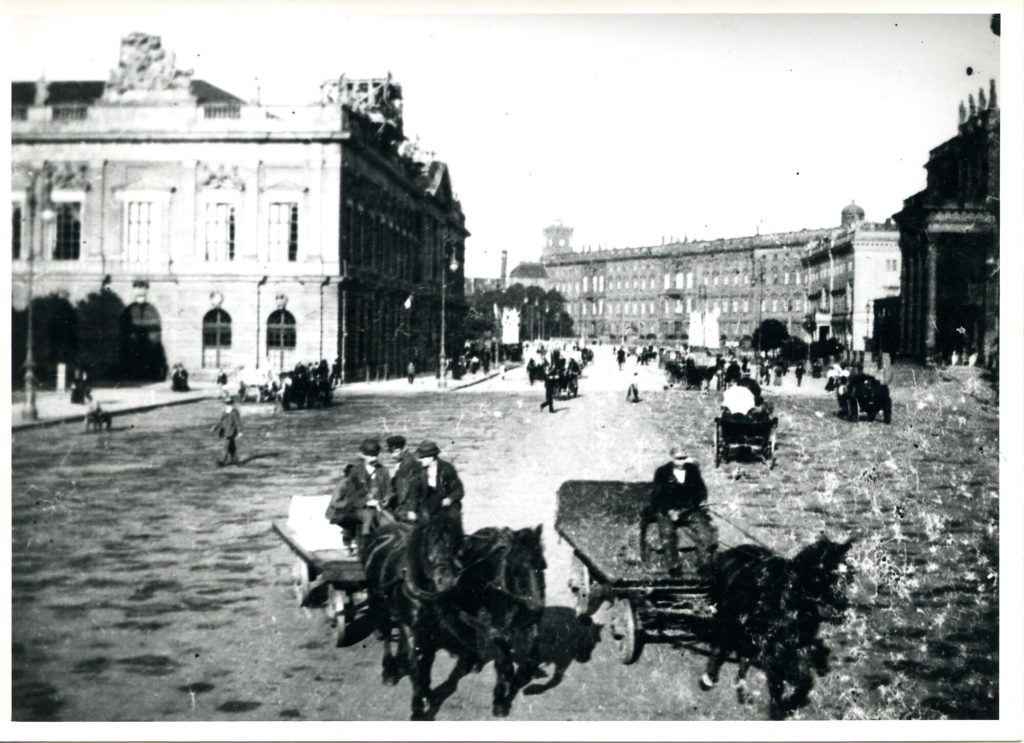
(847, 271)
(158, 219)
(949, 238)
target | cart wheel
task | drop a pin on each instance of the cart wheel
(301, 578)
(852, 410)
(622, 627)
(887, 411)
(771, 450)
(579, 584)
(338, 610)
(718, 444)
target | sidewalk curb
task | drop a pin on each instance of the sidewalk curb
(15, 428)
(492, 375)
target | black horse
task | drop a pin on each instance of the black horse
(500, 601)
(408, 570)
(768, 610)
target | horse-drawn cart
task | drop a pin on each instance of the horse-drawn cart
(645, 601)
(325, 572)
(736, 432)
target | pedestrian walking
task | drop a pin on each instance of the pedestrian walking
(441, 487)
(364, 488)
(410, 371)
(229, 428)
(550, 384)
(408, 480)
(621, 358)
(799, 373)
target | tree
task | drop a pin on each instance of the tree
(794, 349)
(770, 335)
(540, 312)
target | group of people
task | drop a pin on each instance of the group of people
(179, 378)
(406, 486)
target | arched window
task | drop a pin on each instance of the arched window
(216, 337)
(280, 331)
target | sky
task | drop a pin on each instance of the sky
(632, 129)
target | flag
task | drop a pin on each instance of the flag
(408, 302)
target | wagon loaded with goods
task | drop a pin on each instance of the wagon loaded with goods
(325, 572)
(600, 519)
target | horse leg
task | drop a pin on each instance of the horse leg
(389, 665)
(504, 688)
(742, 696)
(421, 659)
(776, 688)
(820, 656)
(718, 656)
(529, 667)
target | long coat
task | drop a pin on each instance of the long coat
(357, 487)
(407, 484)
(448, 486)
(229, 425)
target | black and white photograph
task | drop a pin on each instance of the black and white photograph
(549, 365)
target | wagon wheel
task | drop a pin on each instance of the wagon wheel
(579, 584)
(623, 631)
(887, 411)
(770, 449)
(718, 444)
(339, 612)
(852, 411)
(301, 578)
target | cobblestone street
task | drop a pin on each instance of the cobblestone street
(142, 572)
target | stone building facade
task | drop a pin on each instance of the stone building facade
(650, 293)
(949, 238)
(166, 220)
(847, 271)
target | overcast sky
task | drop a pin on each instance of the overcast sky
(629, 128)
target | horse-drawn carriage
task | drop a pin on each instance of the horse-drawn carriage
(736, 433)
(325, 572)
(859, 393)
(256, 385)
(567, 383)
(646, 602)
(302, 389)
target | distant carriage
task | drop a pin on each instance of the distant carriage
(304, 390)
(861, 393)
(736, 433)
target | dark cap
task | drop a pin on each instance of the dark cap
(370, 447)
(395, 442)
(427, 449)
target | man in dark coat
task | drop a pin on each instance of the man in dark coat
(408, 479)
(365, 486)
(440, 487)
(678, 502)
(229, 428)
(550, 385)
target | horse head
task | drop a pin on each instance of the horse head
(433, 556)
(823, 577)
(524, 572)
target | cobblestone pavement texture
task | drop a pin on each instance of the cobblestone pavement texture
(142, 572)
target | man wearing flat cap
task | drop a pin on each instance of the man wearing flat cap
(678, 501)
(365, 486)
(408, 479)
(441, 487)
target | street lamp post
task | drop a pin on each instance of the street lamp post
(47, 215)
(442, 359)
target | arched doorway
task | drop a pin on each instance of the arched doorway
(280, 339)
(142, 352)
(216, 338)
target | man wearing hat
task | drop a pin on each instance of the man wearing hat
(229, 428)
(441, 487)
(408, 479)
(678, 502)
(365, 486)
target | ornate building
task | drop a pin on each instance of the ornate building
(949, 238)
(846, 272)
(652, 292)
(162, 220)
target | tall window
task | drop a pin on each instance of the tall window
(216, 338)
(141, 226)
(220, 232)
(284, 232)
(15, 231)
(68, 239)
(280, 331)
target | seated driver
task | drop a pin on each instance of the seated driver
(366, 485)
(678, 501)
(744, 399)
